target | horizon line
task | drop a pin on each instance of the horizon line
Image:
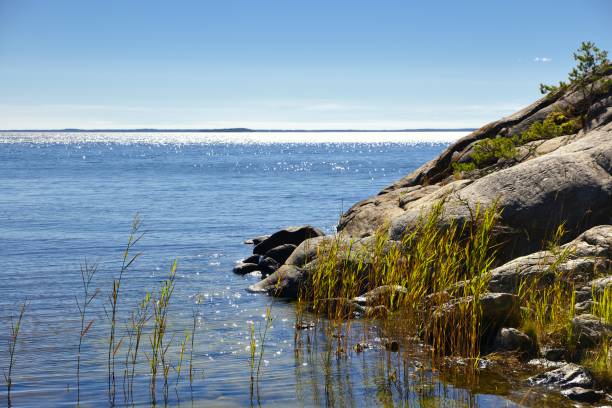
(239, 129)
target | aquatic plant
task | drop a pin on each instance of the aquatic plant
(113, 345)
(87, 274)
(193, 331)
(159, 347)
(431, 264)
(548, 299)
(12, 344)
(134, 331)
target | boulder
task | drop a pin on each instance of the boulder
(244, 268)
(308, 249)
(553, 353)
(583, 394)
(590, 330)
(253, 259)
(534, 196)
(567, 376)
(511, 339)
(290, 235)
(256, 240)
(281, 253)
(497, 310)
(381, 296)
(588, 255)
(267, 266)
(285, 282)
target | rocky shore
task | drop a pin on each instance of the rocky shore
(546, 166)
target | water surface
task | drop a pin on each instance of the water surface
(70, 197)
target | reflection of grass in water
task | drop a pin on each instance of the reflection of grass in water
(253, 348)
(385, 378)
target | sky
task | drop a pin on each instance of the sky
(284, 64)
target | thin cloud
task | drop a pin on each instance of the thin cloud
(542, 59)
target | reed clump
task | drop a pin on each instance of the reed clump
(548, 300)
(433, 264)
(599, 358)
(113, 344)
(157, 339)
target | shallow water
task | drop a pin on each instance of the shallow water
(70, 197)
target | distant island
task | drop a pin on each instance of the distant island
(234, 130)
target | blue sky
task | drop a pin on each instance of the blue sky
(284, 64)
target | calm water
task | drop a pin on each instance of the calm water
(66, 198)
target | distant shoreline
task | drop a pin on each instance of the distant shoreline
(235, 130)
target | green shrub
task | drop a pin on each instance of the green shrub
(464, 167)
(556, 124)
(488, 151)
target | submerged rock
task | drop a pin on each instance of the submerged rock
(583, 394)
(568, 376)
(290, 235)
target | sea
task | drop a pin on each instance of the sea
(68, 201)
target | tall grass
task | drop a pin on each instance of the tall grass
(429, 261)
(87, 274)
(253, 350)
(113, 345)
(599, 359)
(548, 299)
(135, 328)
(157, 339)
(15, 329)
(193, 331)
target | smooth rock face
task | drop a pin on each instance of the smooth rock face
(590, 330)
(568, 376)
(511, 339)
(290, 235)
(589, 254)
(536, 191)
(535, 196)
(281, 253)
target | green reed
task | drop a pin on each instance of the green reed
(433, 263)
(113, 345)
(548, 299)
(12, 344)
(159, 347)
(87, 274)
(135, 328)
